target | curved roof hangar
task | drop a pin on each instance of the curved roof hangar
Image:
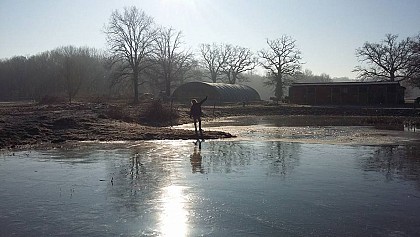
(218, 92)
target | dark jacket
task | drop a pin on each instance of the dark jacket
(195, 110)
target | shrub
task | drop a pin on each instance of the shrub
(157, 113)
(118, 113)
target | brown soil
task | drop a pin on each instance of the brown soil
(23, 125)
(30, 124)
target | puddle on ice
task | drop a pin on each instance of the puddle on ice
(238, 187)
(273, 128)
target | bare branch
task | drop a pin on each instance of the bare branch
(282, 59)
(172, 61)
(130, 37)
(389, 60)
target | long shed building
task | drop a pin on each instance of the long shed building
(216, 92)
(347, 93)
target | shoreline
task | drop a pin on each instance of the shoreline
(28, 125)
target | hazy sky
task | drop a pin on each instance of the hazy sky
(326, 31)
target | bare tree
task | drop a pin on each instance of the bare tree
(12, 77)
(390, 60)
(44, 70)
(64, 71)
(238, 60)
(308, 76)
(415, 62)
(282, 59)
(227, 60)
(213, 57)
(74, 69)
(173, 61)
(71, 71)
(79, 68)
(130, 36)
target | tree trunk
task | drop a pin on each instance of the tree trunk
(392, 76)
(168, 87)
(234, 78)
(279, 88)
(214, 77)
(136, 87)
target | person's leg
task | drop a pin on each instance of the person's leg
(199, 125)
(195, 126)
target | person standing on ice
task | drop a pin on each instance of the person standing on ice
(196, 113)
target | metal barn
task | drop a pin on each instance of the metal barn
(216, 92)
(347, 93)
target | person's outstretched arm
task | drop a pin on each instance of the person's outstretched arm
(203, 100)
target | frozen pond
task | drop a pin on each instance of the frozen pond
(238, 187)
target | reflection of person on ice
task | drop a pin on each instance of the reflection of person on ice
(196, 159)
(196, 113)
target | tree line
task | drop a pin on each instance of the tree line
(144, 57)
(65, 71)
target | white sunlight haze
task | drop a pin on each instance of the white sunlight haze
(326, 31)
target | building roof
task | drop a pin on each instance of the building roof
(346, 83)
(216, 91)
